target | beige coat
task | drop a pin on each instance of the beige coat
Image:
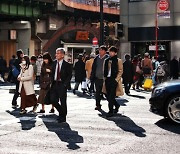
(27, 81)
(119, 89)
(88, 67)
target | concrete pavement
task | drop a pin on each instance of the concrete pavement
(133, 130)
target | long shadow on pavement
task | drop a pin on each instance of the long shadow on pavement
(125, 123)
(27, 120)
(86, 95)
(168, 125)
(63, 131)
(137, 96)
(121, 101)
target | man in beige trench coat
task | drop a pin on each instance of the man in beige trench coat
(113, 70)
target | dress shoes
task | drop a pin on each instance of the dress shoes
(116, 110)
(98, 108)
(23, 111)
(41, 111)
(15, 106)
(52, 111)
(109, 114)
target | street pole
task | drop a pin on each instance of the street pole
(101, 23)
(156, 29)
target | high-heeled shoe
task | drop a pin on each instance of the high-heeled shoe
(23, 111)
(41, 111)
(52, 111)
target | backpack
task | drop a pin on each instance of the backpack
(160, 71)
(15, 71)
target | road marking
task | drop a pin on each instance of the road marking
(26, 118)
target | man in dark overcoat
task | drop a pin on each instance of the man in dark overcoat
(128, 74)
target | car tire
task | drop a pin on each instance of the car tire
(173, 109)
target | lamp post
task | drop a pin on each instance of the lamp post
(156, 29)
(101, 23)
(161, 9)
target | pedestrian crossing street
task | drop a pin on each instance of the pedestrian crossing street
(86, 130)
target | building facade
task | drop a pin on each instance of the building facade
(139, 20)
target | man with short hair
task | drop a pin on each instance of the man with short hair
(97, 74)
(113, 70)
(61, 76)
(146, 64)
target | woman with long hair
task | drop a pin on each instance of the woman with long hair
(26, 86)
(45, 80)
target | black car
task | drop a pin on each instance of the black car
(165, 100)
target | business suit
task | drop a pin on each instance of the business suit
(58, 89)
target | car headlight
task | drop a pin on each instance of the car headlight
(158, 91)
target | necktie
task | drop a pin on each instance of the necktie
(58, 72)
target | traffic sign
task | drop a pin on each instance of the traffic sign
(95, 41)
(163, 5)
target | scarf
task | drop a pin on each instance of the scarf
(113, 63)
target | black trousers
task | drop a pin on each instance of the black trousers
(127, 87)
(111, 86)
(98, 86)
(16, 94)
(58, 97)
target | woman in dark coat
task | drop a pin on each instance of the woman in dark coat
(128, 73)
(45, 80)
(80, 73)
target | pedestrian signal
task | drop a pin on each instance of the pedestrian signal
(119, 30)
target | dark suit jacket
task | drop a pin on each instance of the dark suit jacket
(65, 72)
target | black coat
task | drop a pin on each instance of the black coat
(128, 72)
(94, 66)
(65, 72)
(80, 73)
(3, 65)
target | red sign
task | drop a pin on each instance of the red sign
(82, 35)
(163, 5)
(95, 41)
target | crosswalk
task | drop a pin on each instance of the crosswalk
(86, 131)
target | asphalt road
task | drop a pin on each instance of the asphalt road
(133, 130)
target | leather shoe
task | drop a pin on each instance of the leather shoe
(41, 111)
(116, 110)
(23, 111)
(98, 108)
(109, 114)
(52, 111)
(15, 106)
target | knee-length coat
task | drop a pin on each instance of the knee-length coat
(119, 89)
(27, 80)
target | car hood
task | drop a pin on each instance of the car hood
(170, 83)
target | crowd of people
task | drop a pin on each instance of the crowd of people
(101, 74)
